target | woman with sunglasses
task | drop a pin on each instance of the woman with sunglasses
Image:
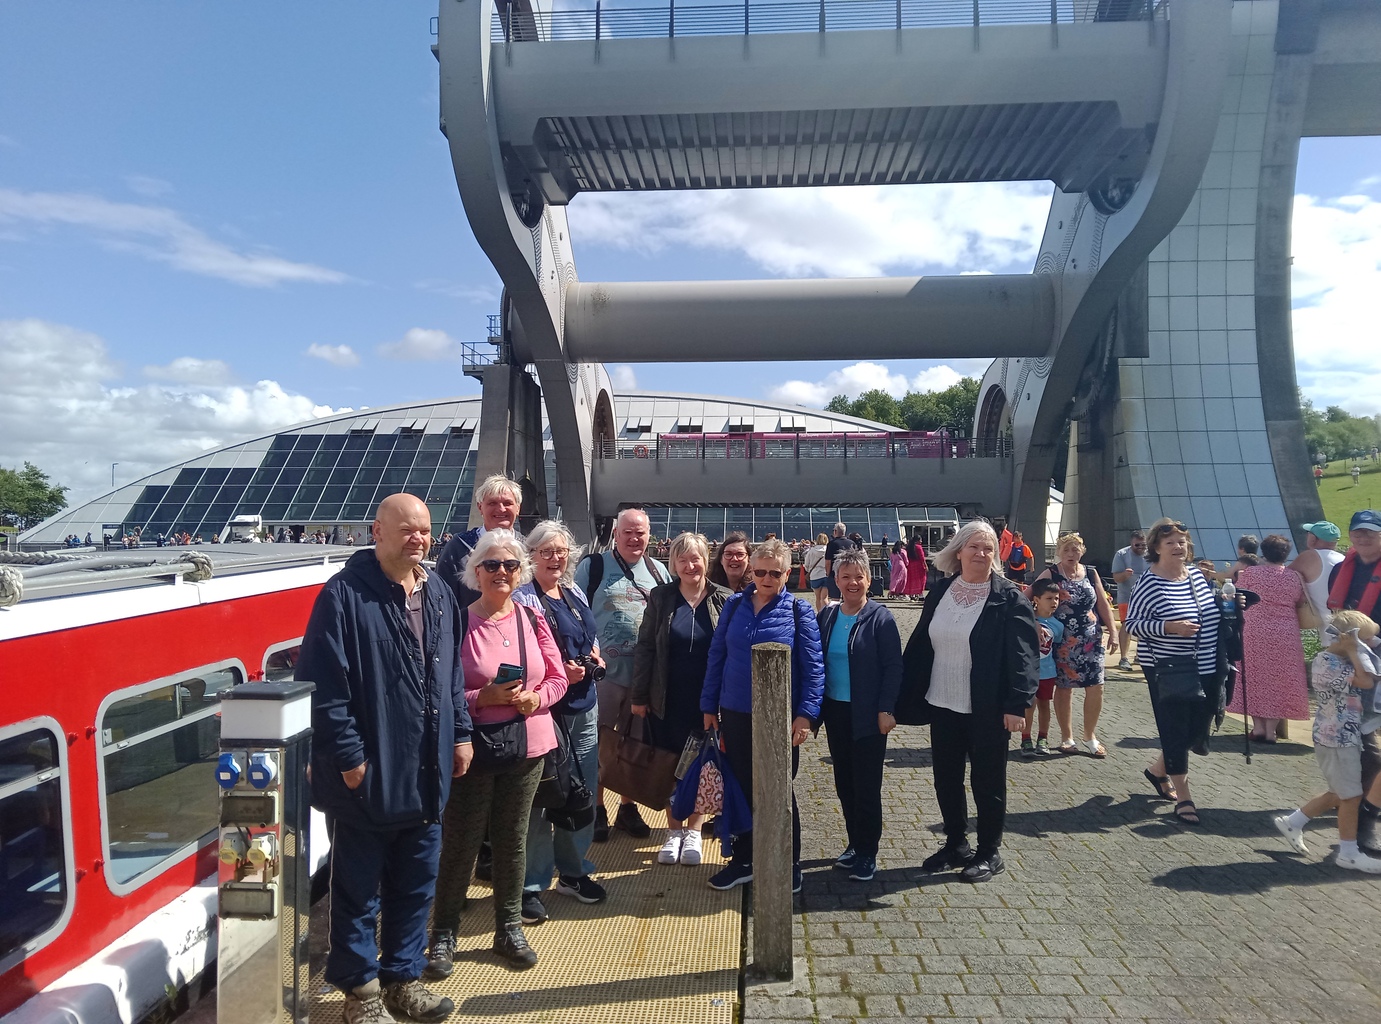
(1173, 611)
(554, 595)
(762, 613)
(729, 567)
(497, 799)
(669, 669)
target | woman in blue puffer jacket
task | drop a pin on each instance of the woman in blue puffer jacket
(762, 613)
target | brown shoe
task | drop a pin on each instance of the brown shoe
(365, 1005)
(414, 1000)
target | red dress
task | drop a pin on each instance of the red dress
(1276, 683)
(915, 570)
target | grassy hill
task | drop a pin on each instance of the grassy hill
(1341, 497)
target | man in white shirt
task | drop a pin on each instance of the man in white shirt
(1127, 566)
(1316, 562)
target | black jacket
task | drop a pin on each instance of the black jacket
(450, 564)
(381, 699)
(651, 655)
(1005, 649)
(875, 662)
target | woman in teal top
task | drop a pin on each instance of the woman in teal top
(862, 678)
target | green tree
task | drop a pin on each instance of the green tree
(1336, 433)
(26, 497)
(916, 410)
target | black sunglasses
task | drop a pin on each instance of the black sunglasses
(776, 574)
(1172, 528)
(507, 564)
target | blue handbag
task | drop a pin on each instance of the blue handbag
(735, 817)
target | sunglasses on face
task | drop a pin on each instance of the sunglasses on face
(776, 574)
(506, 564)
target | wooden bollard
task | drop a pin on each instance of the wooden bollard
(772, 854)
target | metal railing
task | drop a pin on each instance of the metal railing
(603, 20)
(803, 446)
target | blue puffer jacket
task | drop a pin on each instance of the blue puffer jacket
(381, 699)
(784, 620)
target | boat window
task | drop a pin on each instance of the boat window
(280, 661)
(35, 874)
(158, 753)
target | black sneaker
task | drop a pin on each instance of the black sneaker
(441, 951)
(511, 944)
(533, 911)
(582, 887)
(732, 875)
(983, 867)
(601, 834)
(950, 856)
(629, 820)
(846, 860)
(863, 869)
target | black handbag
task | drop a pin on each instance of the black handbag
(564, 798)
(501, 745)
(1177, 676)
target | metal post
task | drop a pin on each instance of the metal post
(772, 853)
(899, 14)
(822, 15)
(975, 7)
(745, 17)
(975, 24)
(671, 22)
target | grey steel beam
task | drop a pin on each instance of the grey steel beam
(886, 318)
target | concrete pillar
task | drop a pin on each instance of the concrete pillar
(772, 859)
(511, 438)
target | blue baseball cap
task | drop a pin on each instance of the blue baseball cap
(1324, 530)
(1367, 519)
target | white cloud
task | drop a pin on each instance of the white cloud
(622, 377)
(860, 231)
(1335, 279)
(65, 411)
(190, 370)
(486, 294)
(336, 355)
(152, 188)
(160, 234)
(422, 344)
(856, 378)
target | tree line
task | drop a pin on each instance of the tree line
(954, 407)
(1337, 434)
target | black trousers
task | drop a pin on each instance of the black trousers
(857, 776)
(1182, 724)
(954, 739)
(736, 729)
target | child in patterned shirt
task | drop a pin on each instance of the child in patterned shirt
(1344, 676)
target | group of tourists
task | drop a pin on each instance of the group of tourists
(441, 695)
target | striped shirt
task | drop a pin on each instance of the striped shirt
(1156, 601)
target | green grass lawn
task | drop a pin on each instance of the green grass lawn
(1341, 497)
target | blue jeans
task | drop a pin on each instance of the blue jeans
(554, 849)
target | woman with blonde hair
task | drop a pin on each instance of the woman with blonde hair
(1084, 612)
(669, 668)
(970, 671)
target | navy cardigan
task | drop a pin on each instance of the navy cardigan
(874, 663)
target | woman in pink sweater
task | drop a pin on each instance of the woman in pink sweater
(497, 800)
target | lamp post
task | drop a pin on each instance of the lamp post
(112, 474)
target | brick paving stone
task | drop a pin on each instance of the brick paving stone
(1108, 909)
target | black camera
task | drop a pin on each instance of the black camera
(594, 671)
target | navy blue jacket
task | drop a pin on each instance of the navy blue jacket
(874, 663)
(381, 699)
(729, 673)
(450, 564)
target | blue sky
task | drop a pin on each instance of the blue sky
(195, 196)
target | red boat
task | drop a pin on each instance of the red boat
(111, 667)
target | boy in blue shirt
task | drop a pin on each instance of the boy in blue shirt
(1045, 596)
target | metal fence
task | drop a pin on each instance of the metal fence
(603, 20)
(804, 446)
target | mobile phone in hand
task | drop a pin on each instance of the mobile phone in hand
(507, 674)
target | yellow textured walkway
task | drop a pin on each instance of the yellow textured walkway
(663, 947)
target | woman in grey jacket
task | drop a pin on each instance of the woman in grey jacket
(862, 679)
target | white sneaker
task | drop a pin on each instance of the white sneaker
(1293, 836)
(690, 847)
(671, 849)
(1124, 665)
(1359, 861)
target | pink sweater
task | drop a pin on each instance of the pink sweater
(482, 652)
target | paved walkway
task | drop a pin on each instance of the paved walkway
(1108, 909)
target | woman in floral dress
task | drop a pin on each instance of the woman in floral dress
(1275, 686)
(1084, 612)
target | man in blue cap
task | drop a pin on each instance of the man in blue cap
(1315, 563)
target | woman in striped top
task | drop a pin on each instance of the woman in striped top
(1173, 611)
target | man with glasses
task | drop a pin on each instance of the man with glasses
(499, 500)
(390, 730)
(618, 582)
(1128, 565)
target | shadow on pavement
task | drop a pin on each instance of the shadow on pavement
(1282, 870)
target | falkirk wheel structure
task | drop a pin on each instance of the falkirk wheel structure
(1156, 318)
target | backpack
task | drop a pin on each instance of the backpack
(596, 560)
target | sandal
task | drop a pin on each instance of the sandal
(1093, 748)
(1068, 747)
(1189, 817)
(1165, 789)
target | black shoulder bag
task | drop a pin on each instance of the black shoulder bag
(501, 745)
(1177, 677)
